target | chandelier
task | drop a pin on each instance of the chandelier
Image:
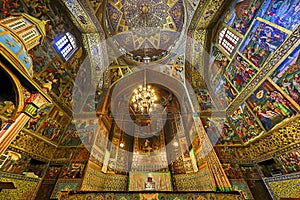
(143, 99)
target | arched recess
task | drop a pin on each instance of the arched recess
(16, 86)
(127, 84)
(119, 93)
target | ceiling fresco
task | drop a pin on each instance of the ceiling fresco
(145, 27)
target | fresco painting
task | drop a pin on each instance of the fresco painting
(204, 99)
(283, 13)
(245, 123)
(240, 72)
(71, 137)
(72, 171)
(289, 161)
(218, 62)
(53, 171)
(270, 106)
(220, 131)
(286, 76)
(224, 92)
(241, 14)
(53, 125)
(261, 42)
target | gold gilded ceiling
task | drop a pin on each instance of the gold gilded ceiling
(146, 26)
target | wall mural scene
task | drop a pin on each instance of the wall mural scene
(241, 14)
(286, 76)
(220, 131)
(261, 41)
(20, 163)
(245, 123)
(224, 91)
(270, 106)
(283, 13)
(240, 72)
(218, 62)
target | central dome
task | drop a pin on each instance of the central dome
(145, 28)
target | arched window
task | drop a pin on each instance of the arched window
(228, 40)
(66, 45)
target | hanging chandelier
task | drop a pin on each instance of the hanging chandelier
(143, 99)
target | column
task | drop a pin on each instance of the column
(11, 131)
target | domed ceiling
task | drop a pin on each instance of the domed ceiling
(145, 26)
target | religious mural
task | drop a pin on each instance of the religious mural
(220, 131)
(72, 171)
(289, 161)
(261, 41)
(286, 76)
(218, 62)
(53, 172)
(101, 139)
(283, 13)
(240, 72)
(270, 106)
(19, 163)
(245, 123)
(36, 121)
(14, 162)
(52, 127)
(71, 136)
(55, 77)
(90, 104)
(204, 99)
(224, 92)
(148, 145)
(241, 14)
(175, 67)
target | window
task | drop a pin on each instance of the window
(28, 35)
(228, 40)
(66, 45)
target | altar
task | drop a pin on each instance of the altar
(154, 181)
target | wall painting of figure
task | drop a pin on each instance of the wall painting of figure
(283, 13)
(14, 162)
(204, 99)
(289, 161)
(245, 123)
(270, 106)
(287, 75)
(218, 62)
(261, 42)
(224, 92)
(71, 137)
(240, 72)
(225, 133)
(241, 14)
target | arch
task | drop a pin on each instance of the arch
(17, 87)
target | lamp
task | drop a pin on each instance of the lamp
(143, 98)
